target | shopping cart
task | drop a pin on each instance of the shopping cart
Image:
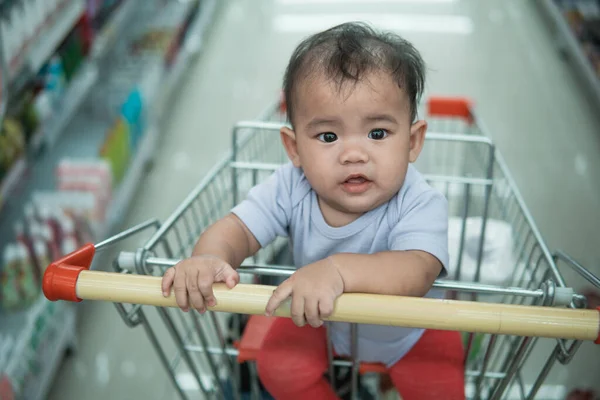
(507, 292)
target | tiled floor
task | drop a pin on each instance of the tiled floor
(498, 52)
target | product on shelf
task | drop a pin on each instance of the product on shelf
(116, 149)
(132, 112)
(22, 23)
(9, 289)
(41, 254)
(55, 80)
(78, 204)
(27, 241)
(12, 143)
(48, 232)
(72, 54)
(86, 175)
(583, 16)
(29, 287)
(29, 115)
(51, 230)
(18, 287)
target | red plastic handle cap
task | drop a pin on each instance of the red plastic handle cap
(60, 278)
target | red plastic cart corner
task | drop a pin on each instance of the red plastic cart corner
(60, 278)
(457, 107)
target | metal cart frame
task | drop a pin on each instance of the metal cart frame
(463, 163)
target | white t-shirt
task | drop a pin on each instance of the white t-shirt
(416, 218)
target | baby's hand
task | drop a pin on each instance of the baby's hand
(314, 289)
(193, 279)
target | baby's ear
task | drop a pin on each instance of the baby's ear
(288, 137)
(417, 139)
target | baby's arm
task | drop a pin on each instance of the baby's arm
(315, 287)
(401, 273)
(228, 239)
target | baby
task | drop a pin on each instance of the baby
(359, 216)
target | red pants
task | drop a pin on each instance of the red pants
(293, 360)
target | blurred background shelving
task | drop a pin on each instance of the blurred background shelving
(83, 88)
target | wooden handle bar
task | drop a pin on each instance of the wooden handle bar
(350, 307)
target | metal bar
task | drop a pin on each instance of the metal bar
(468, 348)
(486, 360)
(166, 226)
(571, 262)
(487, 375)
(163, 357)
(127, 233)
(487, 289)
(181, 244)
(191, 239)
(209, 357)
(519, 198)
(463, 233)
(254, 386)
(276, 270)
(234, 172)
(230, 352)
(230, 363)
(543, 374)
(566, 355)
(486, 206)
(197, 219)
(514, 366)
(181, 347)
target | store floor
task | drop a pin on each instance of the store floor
(498, 52)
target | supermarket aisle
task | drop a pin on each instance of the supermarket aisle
(496, 52)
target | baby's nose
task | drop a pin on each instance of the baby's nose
(353, 153)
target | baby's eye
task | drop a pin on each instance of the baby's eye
(327, 137)
(378, 134)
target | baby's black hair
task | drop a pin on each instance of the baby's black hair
(345, 53)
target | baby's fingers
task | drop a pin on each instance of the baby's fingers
(205, 284)
(181, 293)
(325, 308)
(194, 295)
(167, 281)
(282, 292)
(311, 310)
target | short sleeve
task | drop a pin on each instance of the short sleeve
(267, 209)
(422, 224)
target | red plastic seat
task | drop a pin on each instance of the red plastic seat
(253, 337)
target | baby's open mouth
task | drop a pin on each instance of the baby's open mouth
(356, 179)
(356, 184)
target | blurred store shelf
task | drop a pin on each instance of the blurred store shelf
(89, 115)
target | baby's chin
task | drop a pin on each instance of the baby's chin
(359, 206)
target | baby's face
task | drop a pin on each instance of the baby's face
(353, 145)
